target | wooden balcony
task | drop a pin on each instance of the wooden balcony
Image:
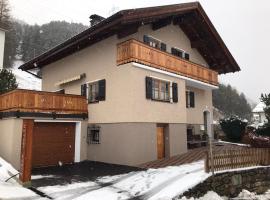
(42, 102)
(136, 51)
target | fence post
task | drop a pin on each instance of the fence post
(206, 162)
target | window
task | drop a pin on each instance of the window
(93, 135)
(180, 53)
(160, 90)
(190, 99)
(153, 42)
(93, 92)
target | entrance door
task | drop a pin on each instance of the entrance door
(53, 144)
(160, 143)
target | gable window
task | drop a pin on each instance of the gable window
(180, 53)
(190, 99)
(94, 91)
(93, 135)
(153, 42)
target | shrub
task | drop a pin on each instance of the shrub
(263, 130)
(233, 127)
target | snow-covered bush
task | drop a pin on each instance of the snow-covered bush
(233, 127)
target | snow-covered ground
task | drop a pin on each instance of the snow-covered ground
(11, 189)
(24, 79)
(153, 184)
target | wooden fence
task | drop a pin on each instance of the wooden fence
(232, 159)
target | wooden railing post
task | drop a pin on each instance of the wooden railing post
(206, 162)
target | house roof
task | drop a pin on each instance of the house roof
(259, 108)
(189, 16)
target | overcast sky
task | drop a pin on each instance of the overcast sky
(242, 24)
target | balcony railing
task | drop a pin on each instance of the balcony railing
(136, 51)
(42, 102)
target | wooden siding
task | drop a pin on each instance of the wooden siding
(136, 51)
(46, 102)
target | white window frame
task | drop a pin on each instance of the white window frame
(170, 85)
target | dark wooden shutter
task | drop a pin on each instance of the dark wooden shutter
(148, 84)
(83, 90)
(192, 99)
(186, 56)
(146, 39)
(163, 47)
(173, 51)
(175, 92)
(102, 90)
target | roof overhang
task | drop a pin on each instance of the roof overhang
(190, 17)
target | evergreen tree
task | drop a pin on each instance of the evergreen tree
(7, 81)
(4, 12)
(230, 102)
(265, 98)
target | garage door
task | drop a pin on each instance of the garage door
(53, 143)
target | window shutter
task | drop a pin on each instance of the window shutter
(163, 47)
(102, 90)
(173, 51)
(175, 92)
(146, 39)
(148, 84)
(192, 99)
(83, 90)
(186, 56)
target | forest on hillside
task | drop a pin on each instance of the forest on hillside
(24, 41)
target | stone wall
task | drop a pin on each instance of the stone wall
(232, 183)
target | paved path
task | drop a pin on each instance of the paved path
(189, 157)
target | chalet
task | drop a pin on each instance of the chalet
(130, 89)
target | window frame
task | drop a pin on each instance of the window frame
(155, 41)
(188, 99)
(183, 53)
(90, 93)
(93, 134)
(164, 89)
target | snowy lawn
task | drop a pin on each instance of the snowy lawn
(11, 189)
(153, 184)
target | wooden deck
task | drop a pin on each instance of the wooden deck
(135, 51)
(189, 157)
(42, 102)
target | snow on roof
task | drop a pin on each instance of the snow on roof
(259, 108)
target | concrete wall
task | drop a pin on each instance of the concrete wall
(203, 101)
(10, 137)
(125, 143)
(136, 143)
(2, 44)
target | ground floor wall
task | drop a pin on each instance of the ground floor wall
(135, 143)
(10, 137)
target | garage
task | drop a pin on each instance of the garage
(53, 143)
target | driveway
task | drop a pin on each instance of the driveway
(79, 172)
